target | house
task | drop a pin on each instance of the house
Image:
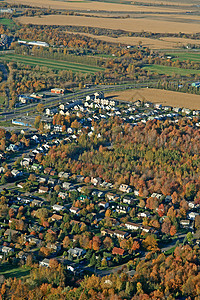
(56, 247)
(107, 232)
(67, 185)
(112, 197)
(192, 205)
(43, 190)
(51, 111)
(74, 210)
(47, 171)
(7, 250)
(146, 229)
(44, 263)
(118, 251)
(125, 188)
(192, 215)
(122, 208)
(56, 217)
(129, 200)
(120, 234)
(136, 193)
(36, 202)
(103, 204)
(185, 223)
(96, 180)
(76, 252)
(62, 195)
(143, 215)
(42, 179)
(57, 207)
(156, 195)
(21, 185)
(132, 226)
(16, 173)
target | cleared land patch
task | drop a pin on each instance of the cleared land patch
(132, 25)
(163, 97)
(51, 64)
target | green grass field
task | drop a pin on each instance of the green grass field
(9, 270)
(50, 63)
(191, 56)
(6, 22)
(164, 70)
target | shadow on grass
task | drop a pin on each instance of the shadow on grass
(13, 271)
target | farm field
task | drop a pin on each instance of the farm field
(165, 70)
(51, 64)
(185, 56)
(163, 97)
(129, 24)
(95, 5)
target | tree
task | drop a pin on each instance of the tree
(135, 246)
(66, 242)
(150, 243)
(93, 260)
(173, 230)
(104, 263)
(197, 222)
(37, 122)
(40, 108)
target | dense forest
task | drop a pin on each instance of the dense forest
(158, 157)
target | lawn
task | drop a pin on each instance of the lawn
(191, 56)
(50, 63)
(9, 270)
(165, 70)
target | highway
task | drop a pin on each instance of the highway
(54, 101)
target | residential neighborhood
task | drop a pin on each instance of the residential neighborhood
(86, 222)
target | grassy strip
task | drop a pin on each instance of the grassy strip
(165, 70)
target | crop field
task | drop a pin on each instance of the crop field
(129, 24)
(165, 70)
(106, 5)
(51, 64)
(163, 97)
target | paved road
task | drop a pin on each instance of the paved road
(21, 111)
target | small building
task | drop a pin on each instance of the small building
(132, 226)
(43, 190)
(58, 207)
(74, 210)
(56, 217)
(76, 252)
(125, 188)
(118, 251)
(7, 250)
(57, 91)
(44, 263)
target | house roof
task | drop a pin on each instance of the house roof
(118, 251)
